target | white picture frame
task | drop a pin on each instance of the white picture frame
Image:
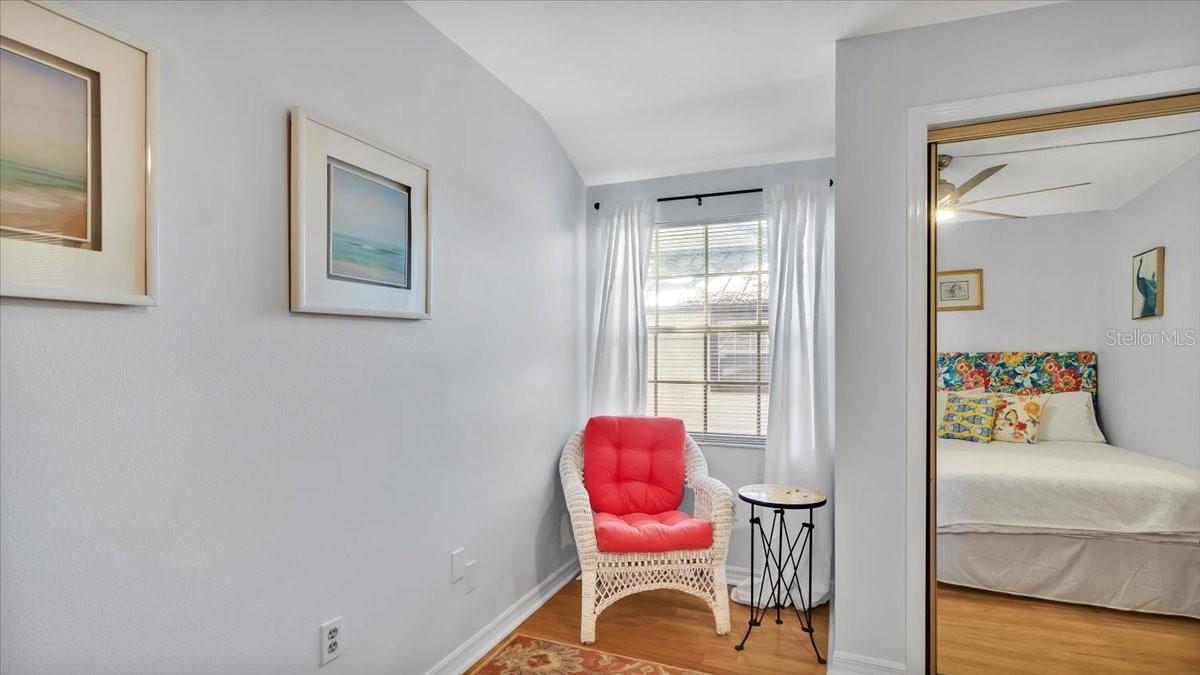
(124, 271)
(319, 152)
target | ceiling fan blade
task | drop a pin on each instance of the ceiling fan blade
(1028, 192)
(992, 214)
(971, 183)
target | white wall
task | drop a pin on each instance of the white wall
(195, 487)
(1150, 393)
(734, 466)
(879, 78)
(1039, 282)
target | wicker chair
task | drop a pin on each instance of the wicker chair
(608, 577)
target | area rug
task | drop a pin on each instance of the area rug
(523, 655)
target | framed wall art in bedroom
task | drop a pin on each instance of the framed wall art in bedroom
(359, 225)
(1148, 282)
(77, 219)
(959, 290)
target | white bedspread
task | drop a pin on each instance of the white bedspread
(1066, 488)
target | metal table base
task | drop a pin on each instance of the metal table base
(783, 558)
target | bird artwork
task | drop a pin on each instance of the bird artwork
(1147, 283)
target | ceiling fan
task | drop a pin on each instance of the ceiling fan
(949, 195)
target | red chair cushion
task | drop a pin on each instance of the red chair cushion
(646, 533)
(633, 464)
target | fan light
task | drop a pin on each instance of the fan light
(946, 213)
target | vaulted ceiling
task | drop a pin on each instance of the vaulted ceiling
(644, 89)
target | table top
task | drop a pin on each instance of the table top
(782, 496)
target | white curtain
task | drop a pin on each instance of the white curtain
(619, 360)
(800, 420)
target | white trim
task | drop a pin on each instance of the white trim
(479, 644)
(920, 119)
(844, 663)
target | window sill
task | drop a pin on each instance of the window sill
(731, 441)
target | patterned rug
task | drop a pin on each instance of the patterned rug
(523, 655)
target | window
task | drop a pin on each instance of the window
(706, 312)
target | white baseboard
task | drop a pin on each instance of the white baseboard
(842, 663)
(475, 648)
(735, 575)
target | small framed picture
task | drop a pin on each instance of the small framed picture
(959, 290)
(1148, 277)
(359, 225)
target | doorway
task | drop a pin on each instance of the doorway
(1004, 179)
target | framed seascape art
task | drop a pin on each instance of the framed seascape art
(76, 190)
(359, 225)
(1148, 286)
(959, 290)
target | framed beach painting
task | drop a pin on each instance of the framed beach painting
(76, 190)
(1148, 286)
(959, 290)
(359, 225)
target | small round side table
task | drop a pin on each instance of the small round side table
(781, 553)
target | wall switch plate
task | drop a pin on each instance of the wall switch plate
(331, 640)
(472, 568)
(457, 568)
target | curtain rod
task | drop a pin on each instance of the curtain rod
(700, 197)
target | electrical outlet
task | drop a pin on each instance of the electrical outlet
(472, 568)
(332, 640)
(457, 569)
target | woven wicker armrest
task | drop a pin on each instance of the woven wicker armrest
(579, 505)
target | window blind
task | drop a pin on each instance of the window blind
(706, 315)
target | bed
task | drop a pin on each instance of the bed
(1082, 522)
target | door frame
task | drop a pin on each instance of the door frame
(972, 116)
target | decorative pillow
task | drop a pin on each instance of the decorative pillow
(634, 464)
(943, 395)
(1070, 416)
(969, 418)
(1018, 417)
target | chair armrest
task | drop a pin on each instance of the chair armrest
(579, 504)
(714, 500)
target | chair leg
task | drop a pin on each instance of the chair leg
(721, 608)
(587, 619)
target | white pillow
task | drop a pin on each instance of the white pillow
(1070, 416)
(943, 397)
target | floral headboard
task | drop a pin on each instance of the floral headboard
(1018, 372)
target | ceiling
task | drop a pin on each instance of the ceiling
(1117, 171)
(640, 90)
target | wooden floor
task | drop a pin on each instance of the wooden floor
(979, 632)
(982, 632)
(676, 629)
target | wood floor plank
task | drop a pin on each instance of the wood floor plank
(986, 633)
(980, 633)
(676, 629)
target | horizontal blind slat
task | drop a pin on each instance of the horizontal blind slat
(707, 313)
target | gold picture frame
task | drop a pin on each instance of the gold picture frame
(959, 290)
